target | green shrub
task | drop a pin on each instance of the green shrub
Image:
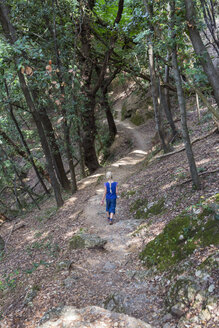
(137, 119)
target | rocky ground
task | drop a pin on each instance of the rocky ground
(72, 259)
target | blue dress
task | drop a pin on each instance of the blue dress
(111, 196)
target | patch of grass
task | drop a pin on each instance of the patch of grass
(206, 117)
(47, 214)
(44, 245)
(137, 119)
(179, 174)
(124, 111)
(180, 238)
(35, 266)
(128, 194)
(9, 281)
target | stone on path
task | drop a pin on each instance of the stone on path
(85, 240)
(89, 317)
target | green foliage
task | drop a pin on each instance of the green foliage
(128, 194)
(9, 280)
(35, 266)
(137, 119)
(44, 245)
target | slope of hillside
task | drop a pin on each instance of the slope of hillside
(43, 269)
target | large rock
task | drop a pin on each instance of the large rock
(2, 244)
(85, 240)
(89, 317)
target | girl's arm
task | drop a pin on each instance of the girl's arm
(104, 195)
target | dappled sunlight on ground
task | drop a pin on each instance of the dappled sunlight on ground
(134, 158)
(203, 161)
(168, 185)
(71, 201)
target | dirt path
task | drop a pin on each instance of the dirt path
(114, 270)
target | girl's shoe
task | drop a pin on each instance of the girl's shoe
(110, 221)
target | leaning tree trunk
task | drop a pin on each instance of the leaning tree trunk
(23, 154)
(181, 101)
(200, 49)
(58, 163)
(30, 157)
(48, 156)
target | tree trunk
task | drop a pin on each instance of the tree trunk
(48, 156)
(57, 159)
(181, 101)
(109, 115)
(155, 97)
(167, 111)
(89, 131)
(88, 117)
(66, 126)
(200, 49)
(154, 81)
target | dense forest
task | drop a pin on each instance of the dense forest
(62, 64)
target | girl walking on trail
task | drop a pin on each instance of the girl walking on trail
(111, 194)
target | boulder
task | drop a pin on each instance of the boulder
(91, 316)
(85, 240)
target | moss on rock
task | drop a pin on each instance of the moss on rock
(143, 209)
(181, 237)
(77, 242)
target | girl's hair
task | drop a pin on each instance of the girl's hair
(109, 175)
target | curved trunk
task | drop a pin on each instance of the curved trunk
(201, 51)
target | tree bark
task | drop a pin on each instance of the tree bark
(109, 115)
(155, 97)
(164, 104)
(181, 101)
(154, 81)
(66, 125)
(200, 49)
(57, 159)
